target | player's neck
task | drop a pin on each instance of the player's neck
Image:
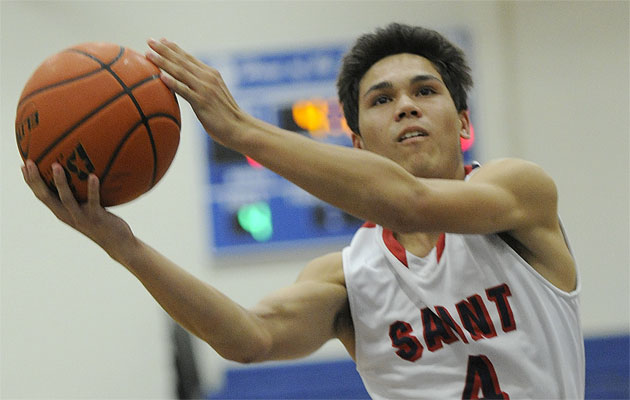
(418, 243)
(455, 171)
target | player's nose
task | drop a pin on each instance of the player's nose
(407, 107)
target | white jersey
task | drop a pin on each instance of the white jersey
(470, 320)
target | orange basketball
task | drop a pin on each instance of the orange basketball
(99, 108)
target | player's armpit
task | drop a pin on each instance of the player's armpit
(300, 318)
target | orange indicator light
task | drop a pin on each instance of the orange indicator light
(312, 116)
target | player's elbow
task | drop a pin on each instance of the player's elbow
(252, 347)
(243, 357)
(259, 351)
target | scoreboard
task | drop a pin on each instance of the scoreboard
(251, 208)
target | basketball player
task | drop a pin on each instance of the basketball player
(461, 285)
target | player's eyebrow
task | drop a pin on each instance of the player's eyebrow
(378, 86)
(425, 77)
(415, 79)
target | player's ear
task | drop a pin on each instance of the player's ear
(357, 141)
(464, 119)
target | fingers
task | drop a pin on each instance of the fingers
(93, 192)
(177, 64)
(63, 189)
(187, 76)
(175, 53)
(63, 204)
(35, 182)
(42, 191)
(174, 84)
(178, 87)
(202, 86)
(174, 47)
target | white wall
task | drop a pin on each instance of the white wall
(572, 99)
(551, 84)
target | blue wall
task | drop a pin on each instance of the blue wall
(607, 377)
(607, 362)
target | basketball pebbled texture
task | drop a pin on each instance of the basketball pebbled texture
(99, 108)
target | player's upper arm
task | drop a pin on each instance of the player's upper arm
(503, 195)
(302, 317)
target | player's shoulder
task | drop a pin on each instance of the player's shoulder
(516, 173)
(510, 167)
(326, 268)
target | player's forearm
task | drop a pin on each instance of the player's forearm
(200, 308)
(365, 185)
(362, 183)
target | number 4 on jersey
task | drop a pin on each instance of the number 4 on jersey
(481, 377)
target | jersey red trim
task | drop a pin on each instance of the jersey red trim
(439, 246)
(394, 246)
(398, 250)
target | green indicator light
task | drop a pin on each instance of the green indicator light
(256, 219)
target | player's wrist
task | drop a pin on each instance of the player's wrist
(243, 134)
(125, 249)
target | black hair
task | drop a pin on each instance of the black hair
(397, 38)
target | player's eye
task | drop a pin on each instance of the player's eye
(382, 99)
(426, 91)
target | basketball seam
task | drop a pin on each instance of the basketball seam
(86, 118)
(122, 142)
(66, 81)
(129, 92)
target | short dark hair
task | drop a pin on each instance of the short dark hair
(396, 38)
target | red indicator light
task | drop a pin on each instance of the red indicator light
(253, 163)
(467, 143)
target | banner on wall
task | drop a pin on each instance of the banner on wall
(251, 208)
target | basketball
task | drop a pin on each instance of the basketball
(99, 108)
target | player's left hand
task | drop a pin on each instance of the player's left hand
(90, 218)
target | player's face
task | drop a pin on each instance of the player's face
(406, 114)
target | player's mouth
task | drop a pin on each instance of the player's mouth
(411, 133)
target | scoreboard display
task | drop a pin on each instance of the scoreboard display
(251, 208)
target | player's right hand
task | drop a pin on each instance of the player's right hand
(203, 87)
(89, 218)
